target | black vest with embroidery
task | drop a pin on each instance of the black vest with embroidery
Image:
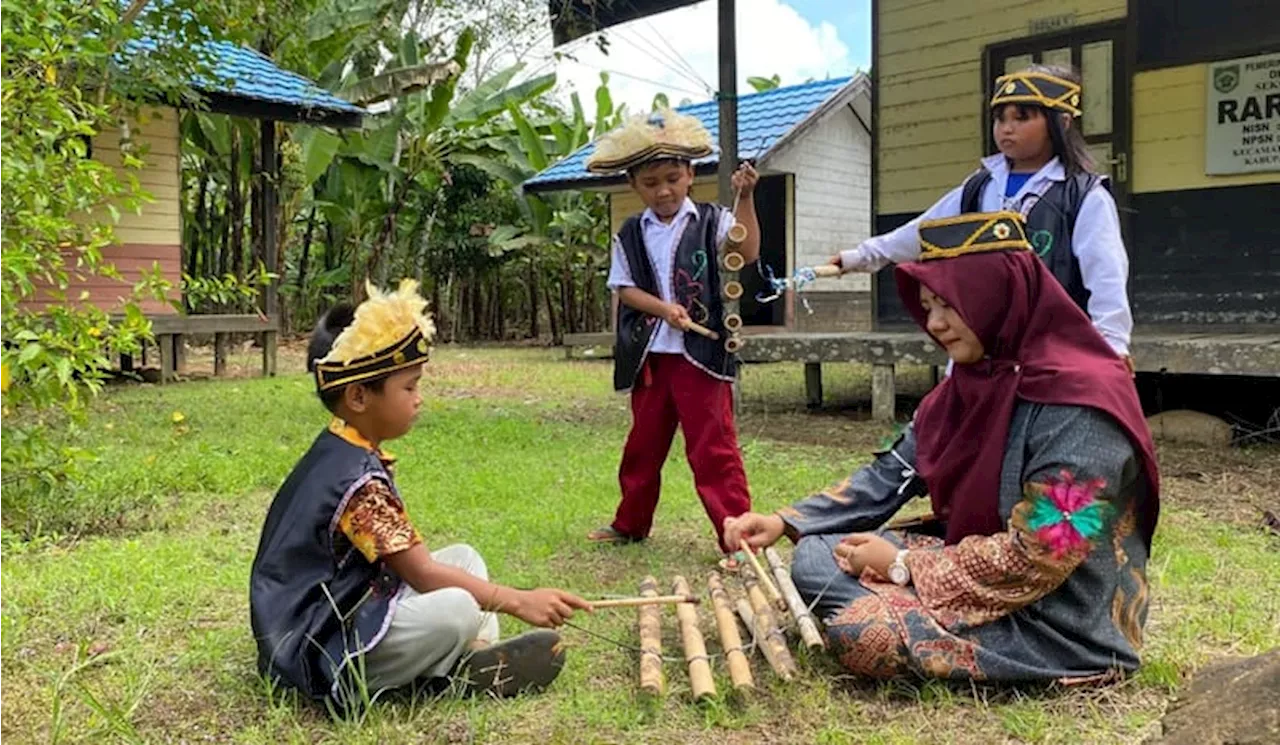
(1050, 225)
(314, 600)
(695, 283)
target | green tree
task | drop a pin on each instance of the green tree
(70, 70)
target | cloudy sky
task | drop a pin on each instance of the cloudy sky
(794, 39)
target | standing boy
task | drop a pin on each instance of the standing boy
(344, 597)
(665, 269)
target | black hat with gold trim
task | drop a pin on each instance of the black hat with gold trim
(974, 232)
(1039, 89)
(390, 331)
(660, 135)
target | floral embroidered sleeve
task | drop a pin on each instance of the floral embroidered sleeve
(1076, 474)
(376, 523)
(865, 500)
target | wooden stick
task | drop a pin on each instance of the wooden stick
(763, 577)
(827, 270)
(799, 611)
(695, 649)
(650, 617)
(768, 636)
(645, 600)
(730, 640)
(700, 329)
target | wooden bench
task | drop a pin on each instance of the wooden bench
(169, 331)
(1155, 351)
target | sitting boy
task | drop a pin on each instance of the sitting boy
(342, 585)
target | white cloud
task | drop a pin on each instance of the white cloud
(773, 38)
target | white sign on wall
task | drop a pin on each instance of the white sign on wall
(1242, 126)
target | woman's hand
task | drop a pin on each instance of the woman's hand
(759, 531)
(857, 551)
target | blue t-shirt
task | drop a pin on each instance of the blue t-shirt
(1015, 183)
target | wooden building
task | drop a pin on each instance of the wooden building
(1196, 180)
(243, 83)
(812, 146)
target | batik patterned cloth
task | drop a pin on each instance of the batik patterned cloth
(376, 523)
(1060, 594)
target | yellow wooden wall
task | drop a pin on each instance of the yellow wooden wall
(930, 91)
(625, 203)
(152, 236)
(1169, 131)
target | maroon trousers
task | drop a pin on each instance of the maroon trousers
(671, 391)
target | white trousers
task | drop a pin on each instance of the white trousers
(431, 631)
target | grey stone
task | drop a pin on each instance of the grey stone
(1236, 702)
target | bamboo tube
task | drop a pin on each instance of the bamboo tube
(695, 649)
(734, 261)
(737, 235)
(799, 611)
(730, 640)
(650, 640)
(768, 636)
(827, 270)
(733, 323)
(770, 589)
(748, 618)
(733, 344)
(700, 329)
(733, 289)
(644, 600)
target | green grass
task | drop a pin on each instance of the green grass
(516, 453)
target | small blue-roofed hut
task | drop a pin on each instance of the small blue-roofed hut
(812, 146)
(242, 82)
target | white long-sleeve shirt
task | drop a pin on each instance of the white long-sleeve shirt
(1096, 242)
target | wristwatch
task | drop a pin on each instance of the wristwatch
(899, 574)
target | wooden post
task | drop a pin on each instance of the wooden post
(727, 95)
(883, 395)
(650, 618)
(219, 354)
(695, 648)
(179, 354)
(768, 635)
(730, 640)
(270, 159)
(268, 354)
(799, 611)
(813, 384)
(165, 343)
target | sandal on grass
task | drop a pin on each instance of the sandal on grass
(525, 664)
(607, 534)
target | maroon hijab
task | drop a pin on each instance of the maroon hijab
(1040, 348)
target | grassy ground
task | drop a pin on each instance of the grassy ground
(136, 629)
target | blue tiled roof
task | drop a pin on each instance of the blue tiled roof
(763, 119)
(246, 73)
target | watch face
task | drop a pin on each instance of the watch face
(898, 574)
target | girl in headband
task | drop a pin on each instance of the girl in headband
(1043, 171)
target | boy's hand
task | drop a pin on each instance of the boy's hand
(676, 316)
(760, 531)
(744, 179)
(547, 607)
(837, 261)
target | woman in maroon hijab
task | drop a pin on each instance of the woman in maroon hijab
(1041, 474)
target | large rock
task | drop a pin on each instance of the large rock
(1190, 427)
(1236, 702)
